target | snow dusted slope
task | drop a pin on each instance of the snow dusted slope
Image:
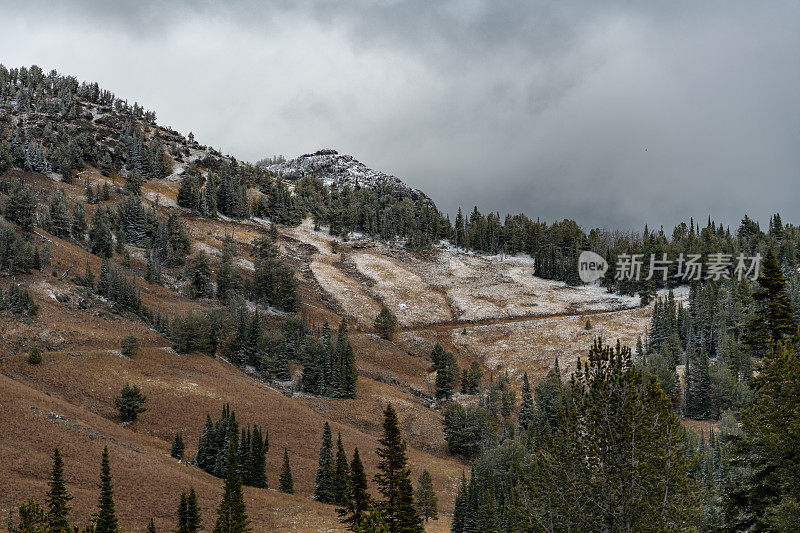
(332, 167)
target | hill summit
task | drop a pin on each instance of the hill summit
(334, 168)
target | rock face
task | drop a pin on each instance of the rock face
(334, 168)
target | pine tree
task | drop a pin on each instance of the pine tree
(617, 431)
(60, 217)
(177, 446)
(133, 183)
(471, 378)
(103, 283)
(88, 277)
(359, 499)
(129, 346)
(232, 512)
(323, 487)
(206, 448)
(460, 507)
(768, 450)
(129, 403)
(21, 208)
(548, 394)
(697, 385)
(102, 241)
(394, 478)
(57, 497)
(372, 521)
(257, 469)
(437, 356)
(527, 410)
(91, 197)
(153, 272)
(32, 518)
(407, 519)
(486, 516)
(229, 281)
(199, 272)
(385, 324)
(286, 482)
(194, 519)
(774, 319)
(347, 365)
(447, 375)
(425, 496)
(341, 476)
(243, 456)
(79, 222)
(182, 514)
(151, 526)
(106, 517)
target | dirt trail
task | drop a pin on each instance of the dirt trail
(457, 324)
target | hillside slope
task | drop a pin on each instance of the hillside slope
(487, 309)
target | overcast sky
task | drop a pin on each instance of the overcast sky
(610, 113)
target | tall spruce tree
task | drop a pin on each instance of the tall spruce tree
(286, 483)
(177, 446)
(341, 475)
(394, 479)
(447, 375)
(182, 514)
(106, 516)
(697, 385)
(425, 496)
(194, 519)
(257, 467)
(457, 524)
(58, 497)
(323, 487)
(773, 320)
(359, 499)
(232, 512)
(346, 363)
(548, 394)
(527, 410)
(206, 448)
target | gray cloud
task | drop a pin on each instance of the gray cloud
(615, 114)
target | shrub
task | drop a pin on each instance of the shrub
(129, 346)
(35, 356)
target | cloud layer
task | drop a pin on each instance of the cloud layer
(613, 115)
